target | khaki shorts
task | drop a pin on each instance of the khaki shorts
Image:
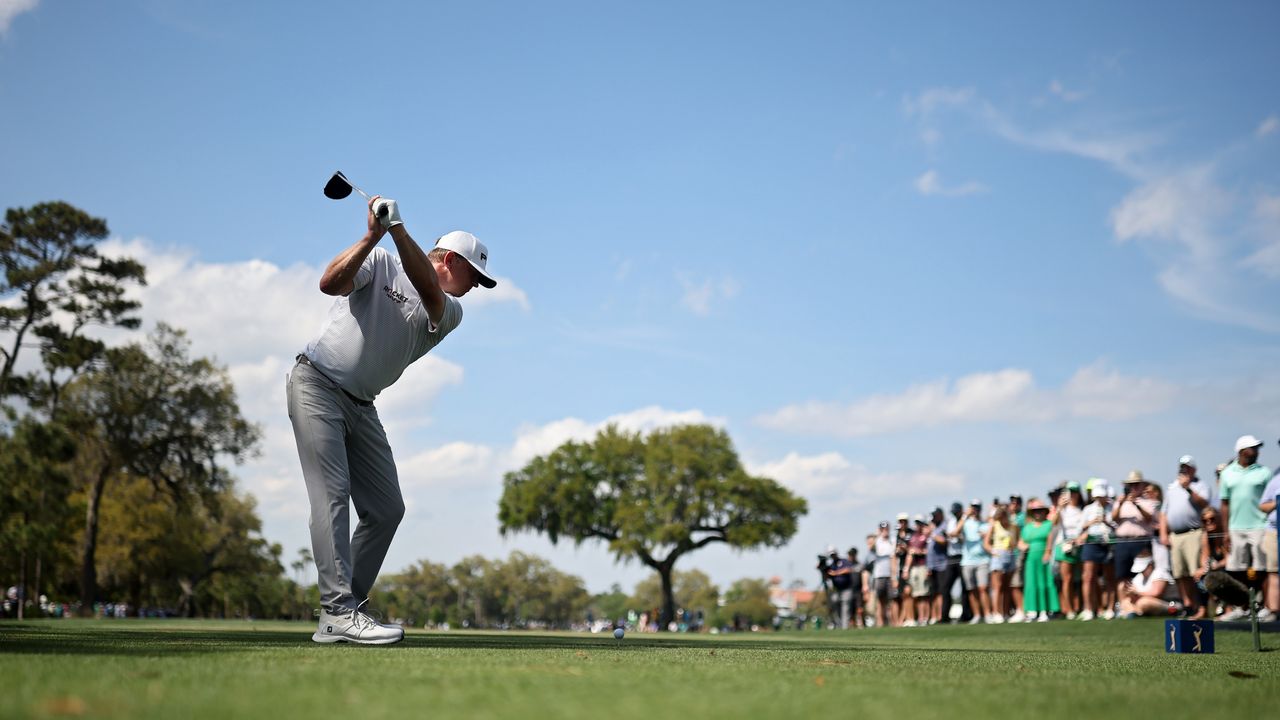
(919, 581)
(1248, 551)
(1184, 553)
(1270, 550)
(976, 576)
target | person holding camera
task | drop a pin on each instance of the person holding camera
(1144, 593)
(856, 618)
(1135, 518)
(1068, 517)
(936, 561)
(840, 573)
(975, 562)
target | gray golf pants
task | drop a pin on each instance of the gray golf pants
(345, 459)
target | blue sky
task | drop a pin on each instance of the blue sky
(904, 255)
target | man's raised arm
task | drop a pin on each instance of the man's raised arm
(421, 273)
(339, 277)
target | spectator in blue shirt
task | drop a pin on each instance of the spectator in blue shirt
(841, 574)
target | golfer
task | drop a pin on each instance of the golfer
(389, 312)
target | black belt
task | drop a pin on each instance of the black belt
(302, 358)
(1184, 532)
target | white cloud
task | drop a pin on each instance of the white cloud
(1064, 94)
(505, 291)
(1098, 392)
(534, 440)
(1119, 151)
(1211, 254)
(930, 184)
(699, 297)
(455, 463)
(838, 484)
(1009, 395)
(237, 312)
(933, 99)
(10, 9)
(1190, 222)
(1266, 230)
(924, 105)
(1268, 126)
(1178, 208)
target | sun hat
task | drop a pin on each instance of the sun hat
(469, 247)
(1247, 441)
(1134, 477)
(903, 516)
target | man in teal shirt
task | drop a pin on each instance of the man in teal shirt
(1243, 521)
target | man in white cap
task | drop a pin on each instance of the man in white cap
(389, 312)
(1243, 520)
(1181, 528)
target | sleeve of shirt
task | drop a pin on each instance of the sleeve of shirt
(365, 274)
(1225, 492)
(450, 319)
(1272, 489)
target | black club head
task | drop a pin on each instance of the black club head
(338, 187)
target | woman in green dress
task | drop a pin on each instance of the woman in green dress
(1039, 597)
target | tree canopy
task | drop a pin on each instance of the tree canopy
(57, 285)
(651, 498)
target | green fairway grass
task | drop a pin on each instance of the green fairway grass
(216, 669)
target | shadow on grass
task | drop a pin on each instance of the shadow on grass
(46, 640)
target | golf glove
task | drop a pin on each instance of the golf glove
(387, 212)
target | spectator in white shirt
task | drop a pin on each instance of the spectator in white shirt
(1069, 518)
(1144, 593)
(1095, 552)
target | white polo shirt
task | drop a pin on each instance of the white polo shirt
(372, 334)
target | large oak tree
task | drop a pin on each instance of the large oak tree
(652, 498)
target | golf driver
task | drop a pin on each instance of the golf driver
(340, 187)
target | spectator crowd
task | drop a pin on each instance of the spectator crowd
(1089, 551)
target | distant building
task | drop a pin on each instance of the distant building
(789, 600)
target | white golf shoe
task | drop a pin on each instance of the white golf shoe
(357, 627)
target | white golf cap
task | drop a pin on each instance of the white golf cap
(1187, 460)
(1247, 441)
(469, 247)
(831, 549)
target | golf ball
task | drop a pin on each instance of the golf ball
(618, 633)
